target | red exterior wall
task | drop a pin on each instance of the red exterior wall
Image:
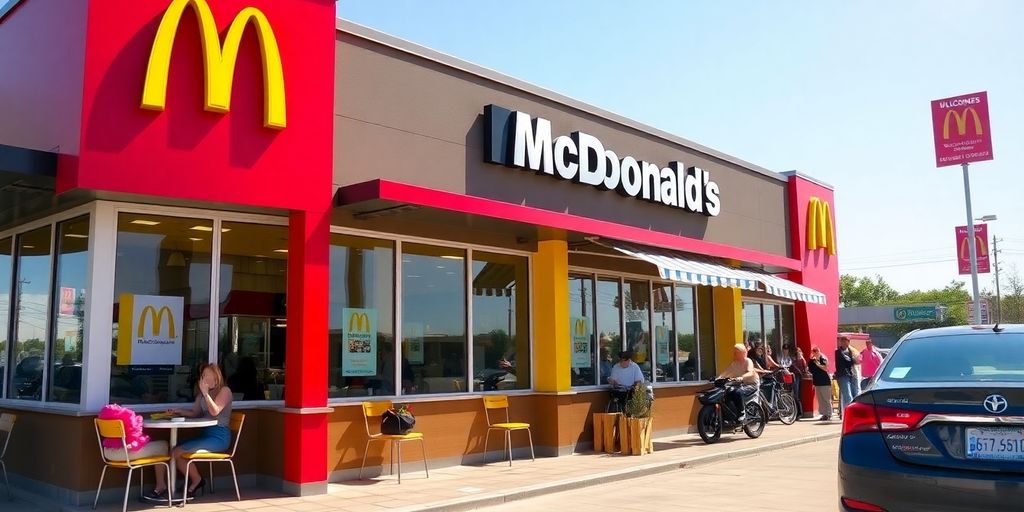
(816, 324)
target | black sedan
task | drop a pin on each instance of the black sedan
(942, 427)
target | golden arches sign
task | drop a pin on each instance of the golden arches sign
(157, 318)
(580, 328)
(961, 122)
(359, 322)
(820, 230)
(219, 60)
(980, 245)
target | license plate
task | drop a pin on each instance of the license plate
(1005, 443)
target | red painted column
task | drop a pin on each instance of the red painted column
(305, 392)
(816, 324)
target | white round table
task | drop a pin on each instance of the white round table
(174, 426)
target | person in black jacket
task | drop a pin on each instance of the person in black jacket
(818, 365)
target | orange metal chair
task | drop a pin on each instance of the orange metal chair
(114, 429)
(375, 410)
(7, 427)
(493, 403)
(237, 420)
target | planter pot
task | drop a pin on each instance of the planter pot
(606, 438)
(635, 435)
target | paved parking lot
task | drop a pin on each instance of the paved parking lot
(797, 479)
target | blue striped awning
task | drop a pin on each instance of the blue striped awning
(699, 270)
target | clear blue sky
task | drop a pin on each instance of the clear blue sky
(838, 90)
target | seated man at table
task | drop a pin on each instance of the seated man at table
(213, 401)
(624, 376)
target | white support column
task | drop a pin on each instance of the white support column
(99, 307)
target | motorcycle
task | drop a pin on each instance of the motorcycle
(718, 413)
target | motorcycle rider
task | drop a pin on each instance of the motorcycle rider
(741, 370)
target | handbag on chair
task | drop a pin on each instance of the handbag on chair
(397, 422)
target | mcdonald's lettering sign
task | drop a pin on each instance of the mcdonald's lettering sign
(821, 232)
(961, 129)
(219, 60)
(149, 330)
(963, 249)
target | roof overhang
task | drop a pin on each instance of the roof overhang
(381, 196)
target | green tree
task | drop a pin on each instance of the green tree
(863, 291)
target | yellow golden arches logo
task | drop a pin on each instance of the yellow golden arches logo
(580, 328)
(820, 231)
(980, 245)
(219, 61)
(158, 319)
(359, 322)
(961, 122)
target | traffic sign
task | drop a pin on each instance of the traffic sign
(915, 313)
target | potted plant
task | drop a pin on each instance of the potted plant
(636, 426)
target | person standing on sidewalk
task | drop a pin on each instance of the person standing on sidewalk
(822, 383)
(798, 367)
(849, 387)
(871, 359)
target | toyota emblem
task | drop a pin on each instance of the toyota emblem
(996, 404)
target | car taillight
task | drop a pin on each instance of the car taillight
(859, 417)
(862, 417)
(861, 506)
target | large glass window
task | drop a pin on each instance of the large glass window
(638, 324)
(787, 321)
(609, 325)
(164, 263)
(501, 341)
(6, 266)
(362, 283)
(665, 354)
(753, 328)
(434, 318)
(772, 332)
(31, 308)
(251, 323)
(69, 296)
(581, 332)
(686, 334)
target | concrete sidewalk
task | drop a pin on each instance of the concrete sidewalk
(468, 487)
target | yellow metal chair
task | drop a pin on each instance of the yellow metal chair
(237, 420)
(375, 410)
(114, 429)
(7, 427)
(493, 403)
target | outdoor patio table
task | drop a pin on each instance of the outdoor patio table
(174, 426)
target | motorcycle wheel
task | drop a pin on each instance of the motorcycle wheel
(709, 424)
(757, 417)
(787, 409)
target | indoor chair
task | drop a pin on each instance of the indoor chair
(7, 427)
(114, 429)
(375, 410)
(493, 403)
(237, 419)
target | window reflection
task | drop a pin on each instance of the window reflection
(638, 324)
(362, 281)
(752, 326)
(6, 267)
(69, 311)
(434, 318)
(31, 308)
(168, 257)
(501, 341)
(665, 353)
(609, 325)
(686, 335)
(252, 323)
(581, 333)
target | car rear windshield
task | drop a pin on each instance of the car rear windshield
(966, 358)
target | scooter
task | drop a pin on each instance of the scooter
(718, 413)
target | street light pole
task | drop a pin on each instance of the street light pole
(995, 261)
(971, 245)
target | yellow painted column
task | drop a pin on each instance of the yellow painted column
(728, 304)
(551, 354)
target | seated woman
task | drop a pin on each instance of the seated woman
(213, 401)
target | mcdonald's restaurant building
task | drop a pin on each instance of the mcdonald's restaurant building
(334, 215)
